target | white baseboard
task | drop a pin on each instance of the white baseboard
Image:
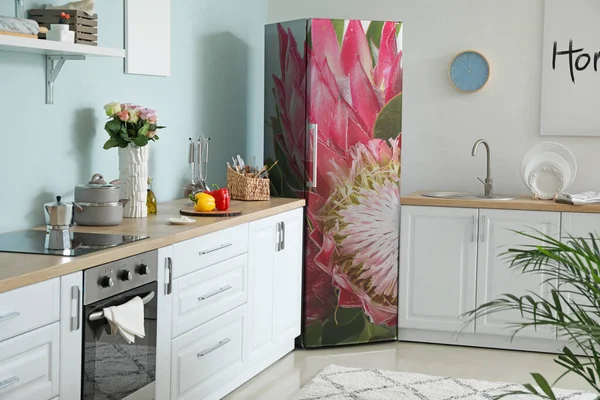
(484, 340)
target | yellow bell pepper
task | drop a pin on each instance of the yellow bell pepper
(204, 202)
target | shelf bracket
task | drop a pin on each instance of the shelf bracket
(53, 66)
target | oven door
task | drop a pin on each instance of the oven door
(112, 368)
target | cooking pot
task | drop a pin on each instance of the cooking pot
(100, 214)
(97, 191)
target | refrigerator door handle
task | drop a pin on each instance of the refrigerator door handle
(315, 131)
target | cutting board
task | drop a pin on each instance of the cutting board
(18, 34)
(190, 212)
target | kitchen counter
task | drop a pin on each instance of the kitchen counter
(522, 202)
(18, 270)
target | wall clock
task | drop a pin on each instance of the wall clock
(469, 71)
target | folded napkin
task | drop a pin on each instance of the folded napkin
(127, 319)
(578, 199)
(19, 25)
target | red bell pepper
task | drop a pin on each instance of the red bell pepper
(222, 198)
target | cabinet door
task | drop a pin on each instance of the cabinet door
(438, 258)
(494, 277)
(163, 335)
(287, 278)
(70, 335)
(261, 260)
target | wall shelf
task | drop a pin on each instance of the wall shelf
(55, 52)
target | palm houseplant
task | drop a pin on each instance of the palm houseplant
(572, 272)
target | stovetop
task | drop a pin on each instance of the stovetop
(32, 242)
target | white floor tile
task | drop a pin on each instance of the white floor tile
(285, 377)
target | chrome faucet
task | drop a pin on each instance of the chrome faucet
(488, 184)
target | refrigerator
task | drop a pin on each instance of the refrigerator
(333, 124)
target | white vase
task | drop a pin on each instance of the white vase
(60, 33)
(133, 172)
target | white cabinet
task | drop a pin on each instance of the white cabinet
(263, 238)
(163, 314)
(275, 289)
(29, 307)
(452, 262)
(29, 365)
(207, 357)
(287, 278)
(494, 277)
(437, 267)
(70, 335)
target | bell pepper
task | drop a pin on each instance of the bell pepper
(203, 202)
(222, 198)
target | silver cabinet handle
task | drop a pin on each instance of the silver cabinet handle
(216, 346)
(9, 382)
(482, 227)
(278, 230)
(203, 252)
(8, 316)
(473, 229)
(315, 131)
(169, 285)
(98, 315)
(282, 235)
(75, 297)
(216, 292)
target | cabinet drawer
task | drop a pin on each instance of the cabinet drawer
(198, 253)
(208, 293)
(29, 365)
(580, 224)
(208, 356)
(29, 307)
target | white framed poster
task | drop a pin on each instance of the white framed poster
(148, 37)
(571, 68)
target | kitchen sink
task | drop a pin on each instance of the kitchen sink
(466, 195)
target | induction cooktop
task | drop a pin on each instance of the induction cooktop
(32, 242)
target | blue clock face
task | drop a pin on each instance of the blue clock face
(469, 71)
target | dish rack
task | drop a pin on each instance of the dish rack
(245, 186)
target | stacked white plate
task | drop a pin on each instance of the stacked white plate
(548, 169)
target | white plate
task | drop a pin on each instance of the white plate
(549, 153)
(181, 221)
(546, 182)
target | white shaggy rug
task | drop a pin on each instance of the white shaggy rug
(341, 383)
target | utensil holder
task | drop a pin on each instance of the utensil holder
(246, 187)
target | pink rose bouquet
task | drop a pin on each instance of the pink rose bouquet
(129, 123)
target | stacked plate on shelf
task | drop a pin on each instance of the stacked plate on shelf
(548, 169)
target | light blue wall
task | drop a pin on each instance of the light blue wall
(216, 87)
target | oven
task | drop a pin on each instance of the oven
(113, 369)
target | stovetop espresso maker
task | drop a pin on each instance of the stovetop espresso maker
(59, 220)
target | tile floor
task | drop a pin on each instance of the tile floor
(286, 376)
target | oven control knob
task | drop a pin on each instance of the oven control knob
(107, 282)
(126, 275)
(144, 269)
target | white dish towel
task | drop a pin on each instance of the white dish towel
(127, 319)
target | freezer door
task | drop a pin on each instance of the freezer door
(354, 125)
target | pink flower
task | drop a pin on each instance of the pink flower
(152, 119)
(127, 106)
(123, 116)
(150, 134)
(146, 113)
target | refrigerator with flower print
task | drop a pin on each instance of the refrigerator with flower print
(333, 108)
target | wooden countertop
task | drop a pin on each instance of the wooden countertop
(18, 270)
(522, 202)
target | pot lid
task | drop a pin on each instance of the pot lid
(98, 182)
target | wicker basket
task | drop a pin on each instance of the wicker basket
(246, 187)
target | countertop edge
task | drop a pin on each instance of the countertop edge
(155, 242)
(522, 202)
